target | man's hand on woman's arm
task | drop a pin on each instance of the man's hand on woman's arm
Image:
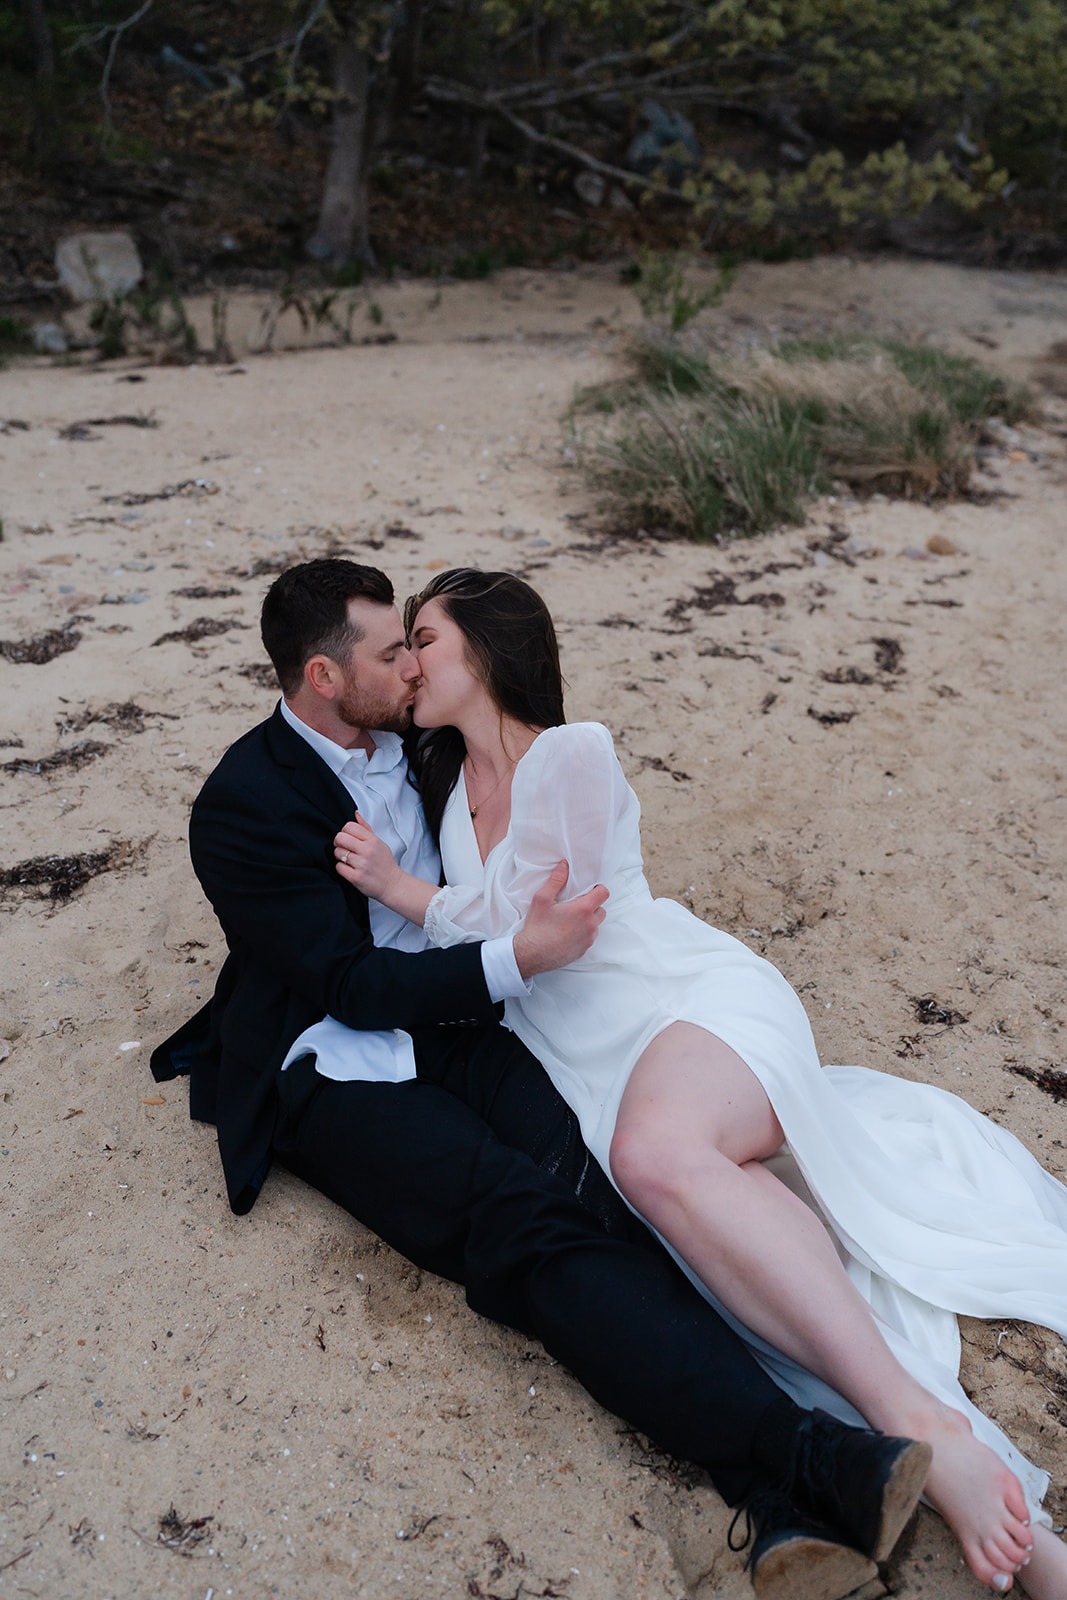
(557, 932)
(553, 935)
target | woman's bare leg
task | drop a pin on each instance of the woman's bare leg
(1045, 1578)
(693, 1128)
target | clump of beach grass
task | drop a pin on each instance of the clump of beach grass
(710, 446)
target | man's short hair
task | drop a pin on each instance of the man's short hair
(305, 614)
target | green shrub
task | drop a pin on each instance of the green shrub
(15, 336)
(969, 389)
(698, 467)
(699, 444)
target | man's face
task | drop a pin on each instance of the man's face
(379, 677)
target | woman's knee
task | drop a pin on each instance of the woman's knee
(651, 1164)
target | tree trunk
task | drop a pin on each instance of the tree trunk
(407, 64)
(479, 143)
(45, 121)
(342, 233)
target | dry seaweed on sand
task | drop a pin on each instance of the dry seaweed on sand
(262, 567)
(830, 719)
(188, 488)
(204, 591)
(932, 1013)
(70, 760)
(182, 1533)
(1050, 1080)
(202, 628)
(261, 673)
(41, 648)
(657, 764)
(888, 655)
(848, 675)
(82, 430)
(714, 649)
(125, 716)
(721, 592)
(61, 876)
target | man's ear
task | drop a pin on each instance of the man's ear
(323, 677)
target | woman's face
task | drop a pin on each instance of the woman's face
(448, 689)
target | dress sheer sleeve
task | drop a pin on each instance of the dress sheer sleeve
(568, 798)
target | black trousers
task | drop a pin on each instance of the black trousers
(476, 1171)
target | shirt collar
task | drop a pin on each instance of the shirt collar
(388, 747)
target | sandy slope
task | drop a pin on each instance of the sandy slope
(347, 1426)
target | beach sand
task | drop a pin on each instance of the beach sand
(196, 1404)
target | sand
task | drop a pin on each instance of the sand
(200, 1405)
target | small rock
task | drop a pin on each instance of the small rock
(376, 1366)
(97, 266)
(938, 545)
(539, 544)
(136, 599)
(49, 339)
(590, 187)
(5, 1049)
(913, 553)
(997, 430)
(620, 201)
(821, 559)
(511, 533)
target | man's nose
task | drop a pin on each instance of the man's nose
(410, 668)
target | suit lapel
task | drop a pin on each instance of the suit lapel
(308, 773)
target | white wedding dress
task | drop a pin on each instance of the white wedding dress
(935, 1209)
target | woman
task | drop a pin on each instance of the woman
(689, 1061)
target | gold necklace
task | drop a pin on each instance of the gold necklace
(475, 809)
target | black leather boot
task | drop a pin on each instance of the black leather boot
(795, 1557)
(866, 1484)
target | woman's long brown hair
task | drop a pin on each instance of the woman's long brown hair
(511, 645)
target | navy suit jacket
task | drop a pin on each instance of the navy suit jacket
(299, 942)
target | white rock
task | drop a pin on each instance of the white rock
(590, 186)
(94, 266)
(50, 339)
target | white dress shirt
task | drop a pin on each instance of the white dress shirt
(391, 807)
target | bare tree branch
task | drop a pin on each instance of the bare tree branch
(298, 43)
(458, 94)
(114, 30)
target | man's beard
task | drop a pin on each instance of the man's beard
(366, 711)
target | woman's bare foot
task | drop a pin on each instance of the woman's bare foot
(979, 1498)
(1045, 1578)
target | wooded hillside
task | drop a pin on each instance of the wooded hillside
(459, 135)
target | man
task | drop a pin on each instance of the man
(447, 1139)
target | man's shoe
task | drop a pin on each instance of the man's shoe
(863, 1482)
(794, 1557)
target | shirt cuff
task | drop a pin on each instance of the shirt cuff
(502, 976)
